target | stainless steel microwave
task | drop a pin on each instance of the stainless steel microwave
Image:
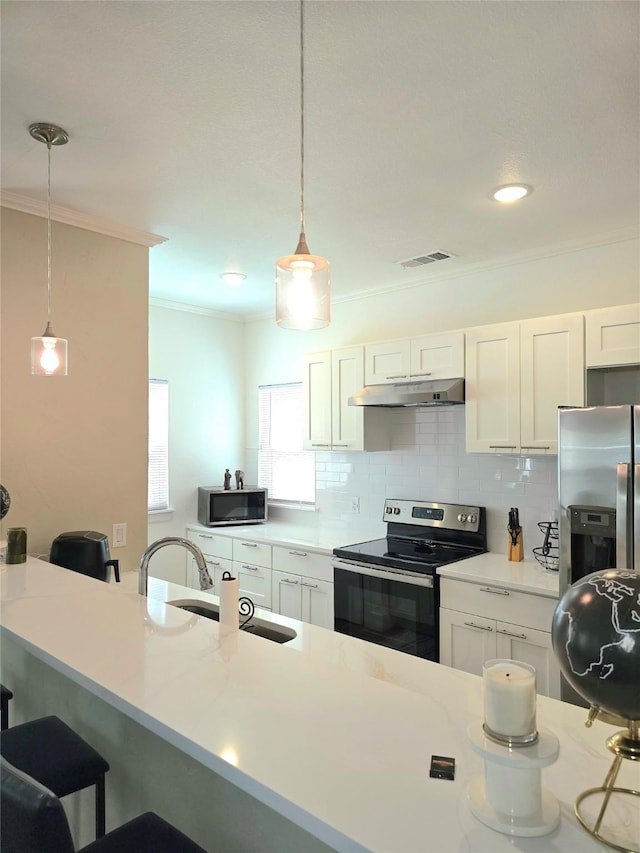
(217, 507)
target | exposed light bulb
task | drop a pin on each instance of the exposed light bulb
(49, 360)
(301, 299)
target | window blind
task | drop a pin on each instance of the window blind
(158, 473)
(284, 468)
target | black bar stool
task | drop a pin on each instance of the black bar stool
(32, 818)
(53, 754)
(5, 696)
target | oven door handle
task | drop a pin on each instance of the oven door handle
(384, 573)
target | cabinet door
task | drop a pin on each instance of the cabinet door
(212, 544)
(387, 361)
(438, 356)
(317, 602)
(551, 375)
(254, 583)
(317, 401)
(347, 377)
(466, 641)
(492, 389)
(613, 336)
(534, 648)
(286, 594)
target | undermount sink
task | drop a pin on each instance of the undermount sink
(268, 630)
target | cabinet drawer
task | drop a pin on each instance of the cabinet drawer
(300, 562)
(256, 553)
(254, 582)
(212, 543)
(495, 602)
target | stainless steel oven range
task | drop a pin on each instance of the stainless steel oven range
(386, 590)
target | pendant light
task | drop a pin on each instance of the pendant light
(49, 353)
(303, 280)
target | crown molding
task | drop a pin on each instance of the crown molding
(474, 268)
(462, 270)
(158, 302)
(67, 216)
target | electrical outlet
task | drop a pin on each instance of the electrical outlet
(355, 505)
(119, 538)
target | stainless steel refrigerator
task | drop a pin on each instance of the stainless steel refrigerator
(599, 494)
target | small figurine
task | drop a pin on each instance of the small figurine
(239, 479)
(227, 479)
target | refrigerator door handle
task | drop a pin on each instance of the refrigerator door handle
(622, 490)
(636, 518)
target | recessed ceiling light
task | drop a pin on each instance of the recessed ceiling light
(511, 192)
(233, 279)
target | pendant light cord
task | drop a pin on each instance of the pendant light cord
(49, 235)
(302, 116)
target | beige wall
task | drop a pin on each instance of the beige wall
(73, 450)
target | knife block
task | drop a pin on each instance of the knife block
(516, 552)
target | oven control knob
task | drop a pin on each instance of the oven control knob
(388, 510)
(396, 510)
(462, 518)
(472, 519)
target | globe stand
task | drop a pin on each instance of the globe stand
(624, 744)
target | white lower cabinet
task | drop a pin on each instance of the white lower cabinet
(302, 585)
(217, 552)
(471, 632)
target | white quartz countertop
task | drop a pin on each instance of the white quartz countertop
(334, 733)
(491, 568)
(321, 538)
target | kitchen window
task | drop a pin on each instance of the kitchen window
(284, 468)
(158, 472)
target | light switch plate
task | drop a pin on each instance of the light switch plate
(119, 538)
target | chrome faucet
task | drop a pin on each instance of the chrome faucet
(143, 569)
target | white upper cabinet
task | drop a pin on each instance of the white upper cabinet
(330, 378)
(492, 389)
(517, 374)
(429, 357)
(612, 336)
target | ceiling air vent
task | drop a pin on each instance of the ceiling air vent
(421, 260)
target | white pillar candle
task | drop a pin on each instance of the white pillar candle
(229, 616)
(509, 697)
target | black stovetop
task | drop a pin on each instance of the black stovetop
(412, 554)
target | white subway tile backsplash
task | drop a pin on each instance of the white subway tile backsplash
(428, 461)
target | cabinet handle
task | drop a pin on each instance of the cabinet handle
(511, 634)
(205, 535)
(399, 376)
(298, 553)
(320, 445)
(312, 585)
(502, 446)
(534, 447)
(494, 591)
(211, 563)
(251, 568)
(420, 374)
(249, 544)
(481, 627)
(340, 445)
(288, 580)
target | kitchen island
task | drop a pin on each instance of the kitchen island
(246, 744)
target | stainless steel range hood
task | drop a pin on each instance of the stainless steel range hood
(435, 392)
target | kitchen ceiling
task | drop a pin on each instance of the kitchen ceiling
(183, 120)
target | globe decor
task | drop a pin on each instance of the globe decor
(596, 638)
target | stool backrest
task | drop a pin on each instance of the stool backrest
(31, 816)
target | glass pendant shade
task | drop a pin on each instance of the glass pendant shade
(49, 355)
(303, 290)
